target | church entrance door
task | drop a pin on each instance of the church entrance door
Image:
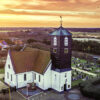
(65, 87)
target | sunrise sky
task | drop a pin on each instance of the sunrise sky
(45, 13)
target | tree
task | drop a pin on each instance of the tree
(31, 40)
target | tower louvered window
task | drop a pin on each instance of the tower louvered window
(55, 41)
(66, 41)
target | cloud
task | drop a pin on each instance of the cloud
(75, 10)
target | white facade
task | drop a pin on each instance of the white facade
(9, 72)
(50, 79)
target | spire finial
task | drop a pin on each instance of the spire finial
(61, 21)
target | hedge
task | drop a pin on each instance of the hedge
(90, 88)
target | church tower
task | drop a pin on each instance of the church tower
(61, 51)
(61, 41)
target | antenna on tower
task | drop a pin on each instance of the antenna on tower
(61, 21)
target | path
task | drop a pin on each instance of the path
(3, 86)
(86, 72)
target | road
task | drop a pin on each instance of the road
(86, 72)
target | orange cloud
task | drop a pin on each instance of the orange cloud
(71, 10)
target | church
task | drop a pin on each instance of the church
(48, 70)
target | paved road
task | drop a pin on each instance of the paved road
(86, 72)
(48, 95)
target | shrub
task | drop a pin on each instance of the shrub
(90, 88)
(31, 41)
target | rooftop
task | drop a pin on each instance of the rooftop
(30, 60)
(61, 31)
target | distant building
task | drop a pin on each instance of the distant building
(17, 41)
(3, 45)
(47, 70)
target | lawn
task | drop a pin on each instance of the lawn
(1, 70)
(75, 83)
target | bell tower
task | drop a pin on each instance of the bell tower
(61, 48)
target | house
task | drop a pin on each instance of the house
(3, 45)
(46, 69)
(17, 41)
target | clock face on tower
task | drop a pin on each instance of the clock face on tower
(66, 41)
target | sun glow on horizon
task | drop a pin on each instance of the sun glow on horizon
(40, 13)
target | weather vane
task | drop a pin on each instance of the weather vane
(61, 20)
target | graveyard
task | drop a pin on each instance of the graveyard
(83, 70)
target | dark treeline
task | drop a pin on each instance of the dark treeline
(91, 47)
(84, 29)
(86, 46)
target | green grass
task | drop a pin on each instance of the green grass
(75, 83)
(1, 70)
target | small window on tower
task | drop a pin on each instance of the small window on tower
(55, 41)
(66, 50)
(54, 50)
(66, 41)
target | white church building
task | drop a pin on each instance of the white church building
(46, 69)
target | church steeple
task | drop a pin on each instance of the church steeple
(61, 41)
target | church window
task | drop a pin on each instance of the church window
(66, 50)
(54, 50)
(24, 77)
(55, 41)
(65, 74)
(11, 77)
(7, 75)
(9, 66)
(39, 78)
(66, 41)
(68, 86)
(34, 76)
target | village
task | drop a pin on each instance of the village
(82, 70)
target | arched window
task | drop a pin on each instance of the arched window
(66, 41)
(55, 41)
